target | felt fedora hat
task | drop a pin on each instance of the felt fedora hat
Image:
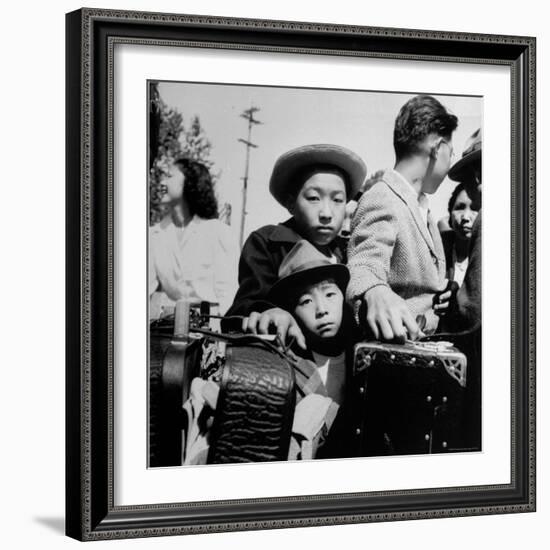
(471, 154)
(304, 265)
(293, 163)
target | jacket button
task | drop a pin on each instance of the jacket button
(434, 259)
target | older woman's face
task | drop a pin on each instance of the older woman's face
(174, 185)
(463, 215)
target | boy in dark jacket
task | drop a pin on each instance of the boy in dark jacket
(314, 183)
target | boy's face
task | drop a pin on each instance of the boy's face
(320, 207)
(319, 309)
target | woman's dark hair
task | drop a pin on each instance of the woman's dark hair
(418, 118)
(198, 189)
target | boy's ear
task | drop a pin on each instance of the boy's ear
(434, 149)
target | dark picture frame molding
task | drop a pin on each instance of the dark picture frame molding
(90, 40)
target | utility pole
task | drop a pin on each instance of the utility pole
(248, 114)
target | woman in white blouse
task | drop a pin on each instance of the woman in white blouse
(192, 254)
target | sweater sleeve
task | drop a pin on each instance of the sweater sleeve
(373, 236)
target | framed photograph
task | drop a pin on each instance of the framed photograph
(280, 308)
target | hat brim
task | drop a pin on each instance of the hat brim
(460, 168)
(285, 290)
(288, 165)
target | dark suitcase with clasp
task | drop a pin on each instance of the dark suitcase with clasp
(408, 399)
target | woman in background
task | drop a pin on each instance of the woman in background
(192, 254)
(456, 242)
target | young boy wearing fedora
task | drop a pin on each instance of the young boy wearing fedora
(312, 289)
(395, 253)
(313, 183)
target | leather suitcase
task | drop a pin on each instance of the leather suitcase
(408, 399)
(255, 406)
(172, 365)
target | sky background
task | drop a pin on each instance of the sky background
(360, 120)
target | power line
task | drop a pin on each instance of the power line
(248, 114)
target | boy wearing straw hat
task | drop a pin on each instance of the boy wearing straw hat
(313, 183)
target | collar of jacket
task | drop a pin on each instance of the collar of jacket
(406, 193)
(287, 232)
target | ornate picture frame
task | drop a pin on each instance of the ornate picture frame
(91, 509)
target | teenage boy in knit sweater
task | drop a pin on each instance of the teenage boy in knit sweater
(395, 254)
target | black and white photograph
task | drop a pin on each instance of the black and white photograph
(314, 273)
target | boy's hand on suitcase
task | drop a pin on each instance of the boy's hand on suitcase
(275, 321)
(389, 317)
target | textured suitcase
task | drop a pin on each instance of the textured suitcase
(255, 406)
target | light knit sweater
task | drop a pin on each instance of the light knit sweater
(391, 245)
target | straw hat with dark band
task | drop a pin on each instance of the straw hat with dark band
(471, 154)
(305, 265)
(297, 161)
